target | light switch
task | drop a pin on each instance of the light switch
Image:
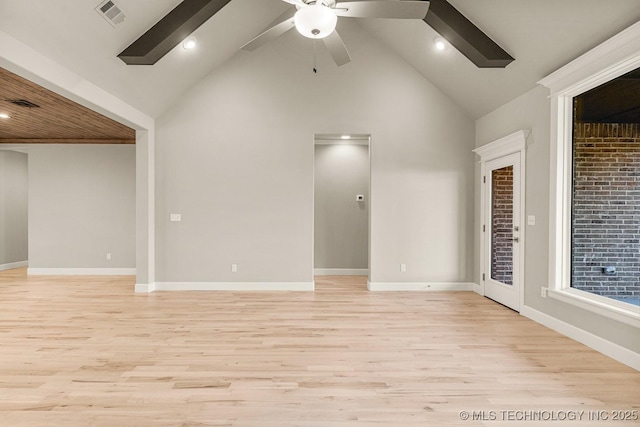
(531, 220)
(175, 217)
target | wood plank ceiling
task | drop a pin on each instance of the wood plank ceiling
(55, 119)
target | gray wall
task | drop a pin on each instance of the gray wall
(235, 158)
(13, 207)
(341, 224)
(532, 111)
(81, 206)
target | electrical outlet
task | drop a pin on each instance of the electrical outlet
(175, 217)
(403, 268)
(109, 256)
(234, 268)
(543, 292)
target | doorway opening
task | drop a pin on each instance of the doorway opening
(14, 205)
(341, 231)
(67, 184)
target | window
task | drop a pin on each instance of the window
(605, 211)
(594, 217)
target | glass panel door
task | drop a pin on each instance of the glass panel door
(501, 253)
(502, 225)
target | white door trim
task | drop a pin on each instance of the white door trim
(510, 144)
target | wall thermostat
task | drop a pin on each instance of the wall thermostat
(360, 198)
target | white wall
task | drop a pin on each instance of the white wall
(13, 208)
(341, 223)
(235, 158)
(82, 206)
(532, 111)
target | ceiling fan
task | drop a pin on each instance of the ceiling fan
(445, 19)
(317, 19)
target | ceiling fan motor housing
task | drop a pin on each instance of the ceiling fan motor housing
(315, 21)
(328, 3)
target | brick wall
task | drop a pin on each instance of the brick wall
(606, 209)
(502, 225)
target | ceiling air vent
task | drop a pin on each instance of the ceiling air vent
(110, 12)
(23, 103)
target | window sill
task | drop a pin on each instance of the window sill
(619, 311)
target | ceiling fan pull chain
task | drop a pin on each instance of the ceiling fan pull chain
(315, 70)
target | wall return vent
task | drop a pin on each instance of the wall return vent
(23, 103)
(110, 12)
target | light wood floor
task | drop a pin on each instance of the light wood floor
(90, 352)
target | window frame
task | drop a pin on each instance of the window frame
(609, 60)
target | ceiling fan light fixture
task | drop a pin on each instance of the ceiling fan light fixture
(315, 21)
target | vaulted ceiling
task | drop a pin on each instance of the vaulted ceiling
(541, 35)
(452, 25)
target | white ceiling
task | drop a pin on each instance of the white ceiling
(542, 35)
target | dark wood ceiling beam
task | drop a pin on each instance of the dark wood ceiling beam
(465, 36)
(170, 31)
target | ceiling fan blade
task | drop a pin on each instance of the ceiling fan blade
(383, 9)
(281, 25)
(295, 2)
(337, 49)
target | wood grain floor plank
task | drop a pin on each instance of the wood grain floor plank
(78, 351)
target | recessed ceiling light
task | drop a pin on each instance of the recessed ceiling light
(4, 116)
(189, 43)
(345, 137)
(440, 43)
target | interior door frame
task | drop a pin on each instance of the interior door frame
(515, 143)
(344, 138)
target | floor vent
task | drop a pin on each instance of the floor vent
(110, 12)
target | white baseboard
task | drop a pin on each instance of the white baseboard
(226, 286)
(341, 271)
(81, 271)
(477, 289)
(12, 265)
(608, 348)
(419, 286)
(142, 288)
